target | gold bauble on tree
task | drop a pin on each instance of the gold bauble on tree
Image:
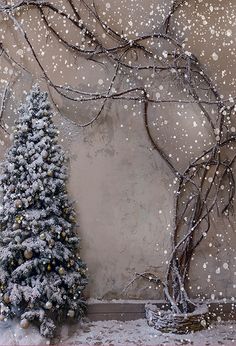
(49, 267)
(72, 218)
(28, 254)
(15, 226)
(44, 154)
(71, 313)
(6, 298)
(2, 317)
(18, 203)
(18, 219)
(61, 271)
(24, 323)
(48, 305)
(51, 242)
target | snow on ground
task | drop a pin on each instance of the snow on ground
(117, 333)
(139, 333)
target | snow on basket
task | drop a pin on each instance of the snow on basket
(169, 322)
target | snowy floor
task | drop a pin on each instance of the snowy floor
(117, 333)
(139, 333)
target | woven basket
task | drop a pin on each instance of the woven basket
(168, 322)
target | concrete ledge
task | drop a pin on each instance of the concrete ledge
(122, 310)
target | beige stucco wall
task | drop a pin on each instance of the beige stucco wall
(123, 189)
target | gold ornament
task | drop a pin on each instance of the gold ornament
(48, 305)
(63, 234)
(2, 317)
(28, 254)
(15, 226)
(49, 267)
(45, 154)
(50, 173)
(12, 188)
(18, 219)
(71, 313)
(18, 203)
(51, 242)
(6, 298)
(72, 218)
(61, 271)
(24, 323)
(42, 236)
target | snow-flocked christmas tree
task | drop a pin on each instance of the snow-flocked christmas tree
(41, 274)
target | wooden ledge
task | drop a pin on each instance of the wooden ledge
(122, 310)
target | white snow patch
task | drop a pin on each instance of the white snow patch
(116, 333)
(139, 333)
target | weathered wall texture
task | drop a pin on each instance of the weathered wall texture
(124, 190)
